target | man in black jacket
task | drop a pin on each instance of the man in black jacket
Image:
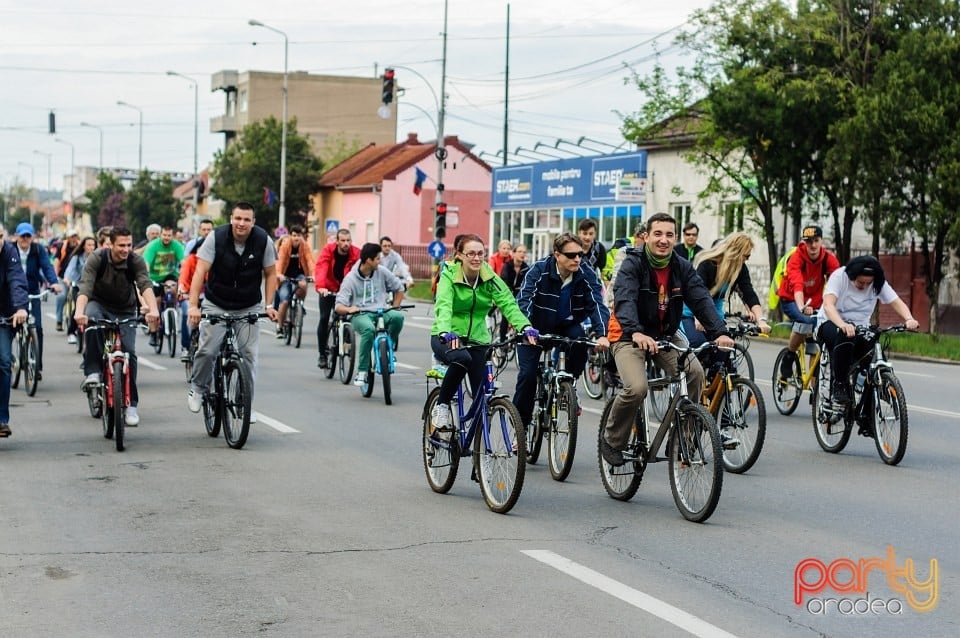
(649, 293)
(13, 304)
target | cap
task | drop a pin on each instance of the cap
(811, 232)
(24, 228)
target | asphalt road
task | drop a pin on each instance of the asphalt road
(323, 525)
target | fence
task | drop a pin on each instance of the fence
(418, 259)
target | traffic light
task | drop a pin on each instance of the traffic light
(387, 95)
(440, 223)
(53, 123)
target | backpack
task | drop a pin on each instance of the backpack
(774, 298)
(102, 266)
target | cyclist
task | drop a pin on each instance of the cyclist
(232, 264)
(205, 228)
(368, 286)
(801, 291)
(36, 265)
(558, 293)
(501, 257)
(60, 262)
(187, 267)
(595, 253)
(649, 293)
(294, 261)
(152, 232)
(72, 274)
(849, 299)
(467, 289)
(688, 248)
(392, 261)
(108, 290)
(333, 264)
(163, 256)
(13, 304)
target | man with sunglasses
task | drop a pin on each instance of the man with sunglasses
(558, 293)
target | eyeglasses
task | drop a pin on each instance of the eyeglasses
(690, 234)
(578, 255)
(474, 255)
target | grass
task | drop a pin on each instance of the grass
(420, 290)
(913, 343)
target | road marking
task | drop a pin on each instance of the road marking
(150, 364)
(915, 374)
(591, 410)
(276, 425)
(910, 406)
(673, 615)
(51, 315)
(417, 326)
(405, 365)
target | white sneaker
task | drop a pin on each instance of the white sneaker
(91, 379)
(360, 379)
(253, 416)
(184, 354)
(442, 420)
(72, 339)
(132, 418)
(194, 400)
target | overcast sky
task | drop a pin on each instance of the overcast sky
(79, 58)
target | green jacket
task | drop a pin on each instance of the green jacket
(462, 309)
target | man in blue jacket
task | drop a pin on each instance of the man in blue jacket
(37, 267)
(13, 301)
(558, 293)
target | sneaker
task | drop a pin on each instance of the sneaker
(184, 354)
(841, 394)
(5, 430)
(280, 334)
(322, 360)
(132, 418)
(786, 366)
(609, 454)
(361, 378)
(91, 379)
(72, 339)
(441, 419)
(194, 400)
(153, 340)
(253, 417)
(59, 326)
(728, 441)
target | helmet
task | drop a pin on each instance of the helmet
(280, 232)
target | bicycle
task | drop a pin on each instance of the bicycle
(228, 404)
(25, 353)
(293, 322)
(693, 447)
(166, 333)
(737, 405)
(69, 308)
(879, 406)
(109, 399)
(599, 380)
(191, 353)
(342, 353)
(490, 430)
(503, 354)
(382, 359)
(788, 390)
(557, 410)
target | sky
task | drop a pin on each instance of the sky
(568, 63)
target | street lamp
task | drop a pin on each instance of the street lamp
(196, 110)
(49, 156)
(281, 221)
(100, 129)
(140, 145)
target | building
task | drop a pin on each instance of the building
(325, 106)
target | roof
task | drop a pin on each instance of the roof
(680, 129)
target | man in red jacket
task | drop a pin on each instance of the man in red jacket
(333, 264)
(801, 291)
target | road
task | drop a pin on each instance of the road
(323, 525)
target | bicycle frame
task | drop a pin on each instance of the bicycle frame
(477, 415)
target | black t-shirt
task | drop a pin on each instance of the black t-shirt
(293, 266)
(339, 264)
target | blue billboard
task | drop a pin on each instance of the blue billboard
(577, 180)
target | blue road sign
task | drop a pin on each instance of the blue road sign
(436, 249)
(332, 226)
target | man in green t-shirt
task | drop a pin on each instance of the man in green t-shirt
(163, 256)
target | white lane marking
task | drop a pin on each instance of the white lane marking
(51, 315)
(406, 366)
(591, 410)
(417, 326)
(910, 406)
(150, 364)
(276, 425)
(916, 374)
(673, 615)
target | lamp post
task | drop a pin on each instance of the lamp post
(196, 110)
(33, 208)
(73, 176)
(282, 217)
(140, 144)
(100, 130)
(49, 156)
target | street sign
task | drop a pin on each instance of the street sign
(332, 226)
(631, 189)
(436, 249)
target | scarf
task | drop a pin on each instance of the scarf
(657, 262)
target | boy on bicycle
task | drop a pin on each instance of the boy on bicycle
(294, 261)
(366, 288)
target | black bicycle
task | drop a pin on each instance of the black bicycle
(293, 322)
(25, 354)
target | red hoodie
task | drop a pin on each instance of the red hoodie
(807, 275)
(323, 271)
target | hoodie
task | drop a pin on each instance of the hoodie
(368, 293)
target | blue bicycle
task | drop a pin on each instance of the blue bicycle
(382, 361)
(490, 430)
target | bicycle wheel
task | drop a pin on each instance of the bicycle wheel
(17, 360)
(385, 356)
(235, 403)
(297, 324)
(562, 435)
(621, 482)
(501, 461)
(106, 414)
(348, 356)
(171, 333)
(742, 360)
(534, 433)
(743, 415)
(191, 353)
(830, 427)
(32, 361)
(333, 351)
(158, 336)
(787, 391)
(696, 463)
(119, 404)
(370, 378)
(94, 402)
(593, 375)
(890, 419)
(441, 459)
(211, 414)
(658, 396)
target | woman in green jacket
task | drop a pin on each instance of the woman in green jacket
(467, 289)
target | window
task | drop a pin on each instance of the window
(242, 101)
(681, 212)
(732, 217)
(371, 236)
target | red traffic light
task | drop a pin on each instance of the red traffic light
(388, 74)
(441, 208)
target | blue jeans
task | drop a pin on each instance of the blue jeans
(61, 300)
(93, 348)
(792, 311)
(6, 347)
(184, 329)
(528, 358)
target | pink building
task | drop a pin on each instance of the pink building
(371, 194)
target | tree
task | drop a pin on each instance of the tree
(107, 186)
(111, 212)
(151, 201)
(252, 163)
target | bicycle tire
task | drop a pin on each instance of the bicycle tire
(94, 402)
(171, 334)
(890, 438)
(786, 392)
(16, 364)
(348, 360)
(743, 361)
(236, 403)
(80, 340)
(534, 434)
(369, 380)
(593, 383)
(298, 325)
(828, 436)
(106, 414)
(695, 463)
(119, 405)
(501, 469)
(658, 398)
(287, 325)
(211, 411)
(191, 353)
(441, 459)
(620, 482)
(562, 435)
(333, 351)
(158, 336)
(743, 408)
(384, 355)
(30, 380)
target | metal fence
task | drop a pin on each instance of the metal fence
(418, 259)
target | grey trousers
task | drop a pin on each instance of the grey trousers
(248, 340)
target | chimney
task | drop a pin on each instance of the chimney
(412, 138)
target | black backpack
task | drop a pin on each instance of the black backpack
(102, 266)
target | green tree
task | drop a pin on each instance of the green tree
(111, 212)
(252, 163)
(151, 201)
(107, 186)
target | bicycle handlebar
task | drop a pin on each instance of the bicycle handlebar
(566, 340)
(233, 317)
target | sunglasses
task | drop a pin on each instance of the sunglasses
(577, 255)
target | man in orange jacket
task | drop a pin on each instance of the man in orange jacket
(294, 260)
